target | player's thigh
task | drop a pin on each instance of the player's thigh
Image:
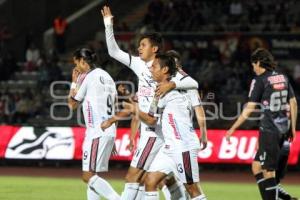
(269, 150)
(146, 151)
(96, 153)
(187, 166)
(256, 166)
(162, 163)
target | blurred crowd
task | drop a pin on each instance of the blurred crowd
(225, 15)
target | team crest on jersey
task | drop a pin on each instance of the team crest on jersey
(265, 102)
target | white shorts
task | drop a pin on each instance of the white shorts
(184, 165)
(146, 151)
(96, 153)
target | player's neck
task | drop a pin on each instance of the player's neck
(150, 59)
(165, 80)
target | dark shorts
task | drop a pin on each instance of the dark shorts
(269, 150)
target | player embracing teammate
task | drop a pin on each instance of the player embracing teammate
(151, 140)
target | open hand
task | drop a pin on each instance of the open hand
(106, 13)
(75, 74)
(228, 134)
(203, 143)
(163, 88)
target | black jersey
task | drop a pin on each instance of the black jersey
(273, 91)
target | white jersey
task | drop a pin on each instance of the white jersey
(146, 85)
(98, 93)
(194, 97)
(175, 111)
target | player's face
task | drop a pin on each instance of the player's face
(156, 71)
(256, 68)
(146, 50)
(81, 65)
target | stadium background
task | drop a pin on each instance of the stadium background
(215, 39)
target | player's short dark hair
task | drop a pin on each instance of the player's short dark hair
(167, 61)
(155, 39)
(88, 55)
(265, 58)
(175, 55)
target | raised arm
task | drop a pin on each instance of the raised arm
(112, 46)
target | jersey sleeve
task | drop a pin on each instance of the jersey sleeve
(82, 90)
(133, 62)
(256, 91)
(184, 81)
(194, 97)
(291, 92)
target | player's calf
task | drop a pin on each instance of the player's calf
(152, 180)
(97, 186)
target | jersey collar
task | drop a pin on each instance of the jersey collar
(149, 64)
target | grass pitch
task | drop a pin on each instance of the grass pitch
(42, 188)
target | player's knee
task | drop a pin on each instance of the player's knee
(256, 168)
(133, 175)
(86, 177)
(150, 182)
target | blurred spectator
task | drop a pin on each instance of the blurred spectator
(32, 57)
(10, 108)
(60, 27)
(296, 74)
(24, 107)
(236, 10)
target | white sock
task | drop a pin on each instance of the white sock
(177, 191)
(130, 191)
(151, 196)
(200, 197)
(103, 188)
(141, 193)
(91, 194)
(166, 192)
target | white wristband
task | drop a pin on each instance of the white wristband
(73, 85)
(107, 20)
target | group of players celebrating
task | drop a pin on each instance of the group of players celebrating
(166, 155)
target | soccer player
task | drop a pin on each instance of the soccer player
(275, 95)
(194, 97)
(149, 142)
(97, 94)
(181, 144)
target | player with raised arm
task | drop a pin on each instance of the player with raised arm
(181, 144)
(149, 142)
(275, 95)
(97, 94)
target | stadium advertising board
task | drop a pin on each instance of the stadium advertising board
(64, 143)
